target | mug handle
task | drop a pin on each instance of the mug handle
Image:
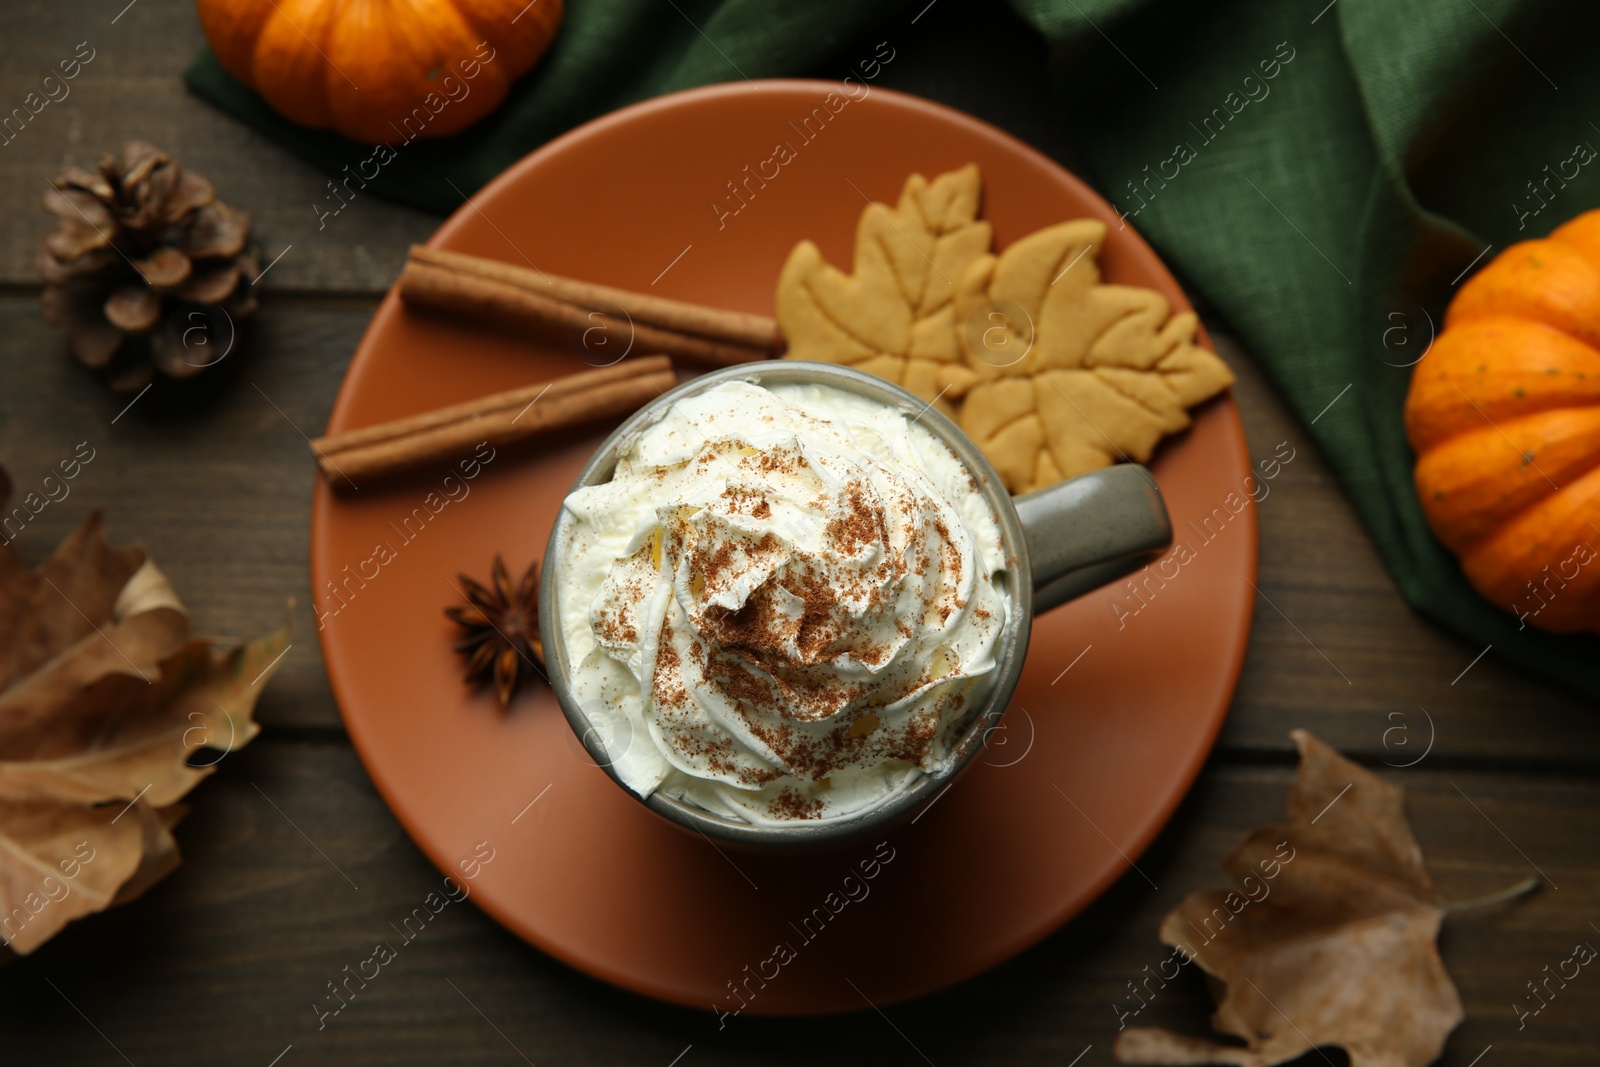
(1090, 530)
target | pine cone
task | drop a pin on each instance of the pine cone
(148, 270)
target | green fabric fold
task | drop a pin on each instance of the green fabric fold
(1322, 174)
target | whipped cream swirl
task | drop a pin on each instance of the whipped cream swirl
(786, 603)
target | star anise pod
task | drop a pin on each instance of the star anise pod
(502, 628)
(146, 268)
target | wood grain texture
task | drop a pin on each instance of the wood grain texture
(132, 89)
(214, 479)
(221, 963)
(1337, 650)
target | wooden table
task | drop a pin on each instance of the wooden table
(221, 963)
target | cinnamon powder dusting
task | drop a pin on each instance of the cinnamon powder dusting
(789, 804)
(850, 633)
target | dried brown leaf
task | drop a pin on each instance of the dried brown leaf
(48, 609)
(1336, 946)
(104, 697)
(59, 863)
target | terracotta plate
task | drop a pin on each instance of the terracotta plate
(1119, 703)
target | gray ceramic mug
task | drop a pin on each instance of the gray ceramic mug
(1066, 540)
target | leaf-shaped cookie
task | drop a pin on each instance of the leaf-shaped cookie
(1072, 374)
(1333, 945)
(104, 697)
(895, 315)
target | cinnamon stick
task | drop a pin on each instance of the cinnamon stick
(450, 432)
(716, 324)
(515, 304)
(424, 285)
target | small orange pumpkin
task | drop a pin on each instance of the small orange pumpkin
(380, 70)
(1504, 416)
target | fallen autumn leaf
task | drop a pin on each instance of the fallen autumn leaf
(1341, 950)
(104, 697)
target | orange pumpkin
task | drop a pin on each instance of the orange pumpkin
(380, 70)
(1504, 415)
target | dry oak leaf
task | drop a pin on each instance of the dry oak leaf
(104, 699)
(895, 316)
(1073, 374)
(1337, 949)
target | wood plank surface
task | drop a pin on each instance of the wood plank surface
(221, 963)
(216, 481)
(131, 88)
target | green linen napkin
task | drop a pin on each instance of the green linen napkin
(1322, 173)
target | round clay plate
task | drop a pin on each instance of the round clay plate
(1118, 705)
